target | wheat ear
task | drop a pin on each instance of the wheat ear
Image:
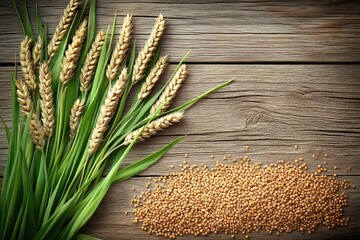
(27, 63)
(107, 111)
(23, 97)
(63, 27)
(154, 127)
(36, 54)
(169, 93)
(119, 52)
(75, 115)
(72, 54)
(46, 99)
(153, 77)
(89, 67)
(36, 131)
(145, 55)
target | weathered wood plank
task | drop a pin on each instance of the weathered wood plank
(110, 222)
(271, 108)
(234, 31)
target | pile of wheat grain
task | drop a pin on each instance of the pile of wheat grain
(240, 198)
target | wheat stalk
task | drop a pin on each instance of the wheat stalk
(169, 93)
(27, 63)
(46, 101)
(153, 77)
(107, 111)
(75, 115)
(23, 97)
(154, 127)
(36, 131)
(119, 53)
(63, 27)
(36, 54)
(89, 67)
(144, 57)
(72, 54)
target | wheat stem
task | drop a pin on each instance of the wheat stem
(145, 55)
(89, 67)
(75, 115)
(27, 63)
(23, 97)
(169, 93)
(154, 127)
(63, 27)
(119, 52)
(153, 77)
(72, 54)
(107, 111)
(46, 101)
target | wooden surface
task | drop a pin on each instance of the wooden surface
(298, 83)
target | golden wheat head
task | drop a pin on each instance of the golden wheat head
(145, 55)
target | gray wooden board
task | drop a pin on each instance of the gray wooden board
(270, 107)
(217, 31)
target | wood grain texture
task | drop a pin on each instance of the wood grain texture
(217, 31)
(286, 92)
(271, 108)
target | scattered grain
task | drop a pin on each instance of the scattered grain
(240, 198)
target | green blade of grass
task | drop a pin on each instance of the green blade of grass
(144, 163)
(7, 130)
(39, 25)
(27, 23)
(19, 17)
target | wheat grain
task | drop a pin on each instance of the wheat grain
(36, 131)
(36, 54)
(169, 93)
(75, 115)
(119, 53)
(145, 55)
(72, 54)
(107, 111)
(89, 67)
(153, 127)
(23, 97)
(27, 63)
(153, 77)
(46, 101)
(63, 27)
